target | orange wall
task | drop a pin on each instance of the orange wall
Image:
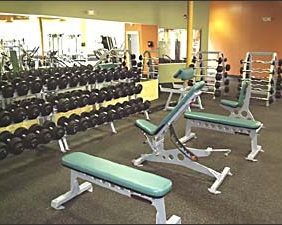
(146, 33)
(236, 27)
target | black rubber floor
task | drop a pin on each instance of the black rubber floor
(253, 194)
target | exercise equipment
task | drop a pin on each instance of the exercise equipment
(44, 135)
(71, 126)
(263, 79)
(240, 108)
(127, 181)
(224, 124)
(182, 155)
(212, 67)
(186, 75)
(30, 140)
(14, 144)
(57, 132)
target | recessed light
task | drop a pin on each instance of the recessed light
(91, 12)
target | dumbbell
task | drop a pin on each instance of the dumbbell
(226, 82)
(137, 89)
(112, 114)
(18, 114)
(227, 67)
(217, 93)
(5, 118)
(30, 140)
(71, 126)
(35, 86)
(74, 80)
(14, 144)
(108, 92)
(102, 95)
(270, 100)
(92, 118)
(3, 151)
(218, 76)
(63, 82)
(278, 94)
(93, 97)
(57, 132)
(51, 83)
(226, 89)
(217, 85)
(84, 123)
(22, 88)
(44, 135)
(83, 79)
(7, 90)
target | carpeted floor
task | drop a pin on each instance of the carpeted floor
(253, 194)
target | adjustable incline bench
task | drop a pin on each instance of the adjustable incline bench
(236, 123)
(125, 180)
(240, 108)
(183, 156)
(185, 75)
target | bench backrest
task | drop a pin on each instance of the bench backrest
(243, 92)
(182, 105)
(185, 74)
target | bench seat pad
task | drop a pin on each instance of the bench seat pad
(146, 126)
(224, 120)
(232, 104)
(136, 180)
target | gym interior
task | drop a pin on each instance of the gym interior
(140, 112)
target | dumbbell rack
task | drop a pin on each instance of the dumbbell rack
(263, 80)
(278, 86)
(212, 68)
(44, 93)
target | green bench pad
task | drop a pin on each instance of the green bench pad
(232, 104)
(147, 127)
(224, 120)
(136, 180)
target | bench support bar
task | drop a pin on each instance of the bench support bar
(77, 189)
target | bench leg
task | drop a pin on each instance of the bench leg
(76, 190)
(199, 103)
(167, 107)
(188, 133)
(255, 147)
(159, 204)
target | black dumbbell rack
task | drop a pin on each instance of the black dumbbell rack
(263, 78)
(212, 68)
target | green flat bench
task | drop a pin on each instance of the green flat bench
(224, 124)
(122, 179)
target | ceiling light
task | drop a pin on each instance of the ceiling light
(91, 12)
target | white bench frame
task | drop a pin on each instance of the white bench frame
(182, 91)
(255, 148)
(76, 190)
(175, 156)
